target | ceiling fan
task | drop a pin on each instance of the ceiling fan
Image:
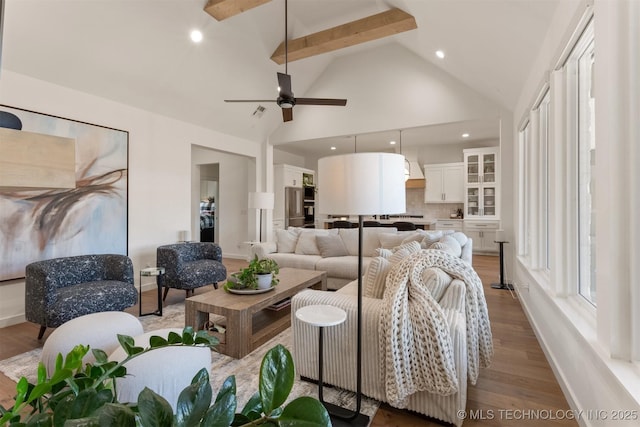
(285, 99)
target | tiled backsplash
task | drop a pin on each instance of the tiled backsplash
(417, 206)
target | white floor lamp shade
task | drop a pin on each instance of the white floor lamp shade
(360, 184)
(261, 200)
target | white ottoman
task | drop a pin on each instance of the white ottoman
(97, 330)
(167, 371)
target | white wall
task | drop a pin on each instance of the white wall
(160, 177)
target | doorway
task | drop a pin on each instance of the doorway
(209, 202)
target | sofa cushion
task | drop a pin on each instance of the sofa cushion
(331, 246)
(307, 245)
(376, 277)
(287, 240)
(345, 267)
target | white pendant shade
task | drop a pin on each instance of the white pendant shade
(362, 184)
(260, 200)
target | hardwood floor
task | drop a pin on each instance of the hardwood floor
(519, 388)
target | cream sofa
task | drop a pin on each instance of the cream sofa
(451, 294)
(336, 250)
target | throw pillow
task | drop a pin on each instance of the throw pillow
(403, 251)
(384, 253)
(442, 247)
(331, 246)
(437, 281)
(414, 236)
(460, 237)
(286, 240)
(390, 240)
(450, 241)
(430, 238)
(376, 277)
(307, 241)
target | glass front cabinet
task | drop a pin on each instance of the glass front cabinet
(482, 183)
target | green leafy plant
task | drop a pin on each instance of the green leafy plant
(247, 278)
(77, 395)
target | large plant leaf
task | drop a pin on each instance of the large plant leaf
(156, 341)
(154, 410)
(116, 415)
(253, 407)
(277, 375)
(228, 387)
(194, 400)
(85, 403)
(40, 420)
(222, 412)
(304, 411)
(83, 422)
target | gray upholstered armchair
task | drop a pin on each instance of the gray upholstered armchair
(191, 265)
(60, 289)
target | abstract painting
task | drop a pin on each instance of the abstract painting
(37, 224)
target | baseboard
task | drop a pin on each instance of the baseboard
(12, 320)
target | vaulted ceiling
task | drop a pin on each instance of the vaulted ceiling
(138, 52)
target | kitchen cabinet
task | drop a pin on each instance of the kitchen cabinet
(444, 183)
(482, 183)
(483, 234)
(449, 224)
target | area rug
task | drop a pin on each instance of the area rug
(246, 370)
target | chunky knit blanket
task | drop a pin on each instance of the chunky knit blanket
(414, 332)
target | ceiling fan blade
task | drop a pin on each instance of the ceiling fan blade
(249, 100)
(287, 114)
(284, 83)
(321, 101)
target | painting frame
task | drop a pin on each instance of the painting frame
(92, 218)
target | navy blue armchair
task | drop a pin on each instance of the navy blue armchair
(191, 265)
(60, 289)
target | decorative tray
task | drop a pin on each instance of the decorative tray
(229, 286)
(249, 291)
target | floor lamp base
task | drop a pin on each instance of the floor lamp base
(345, 417)
(508, 286)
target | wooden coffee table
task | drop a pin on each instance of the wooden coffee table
(249, 323)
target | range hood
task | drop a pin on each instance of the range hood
(416, 177)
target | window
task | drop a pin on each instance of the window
(544, 191)
(523, 198)
(580, 63)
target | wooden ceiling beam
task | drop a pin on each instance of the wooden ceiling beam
(373, 27)
(223, 9)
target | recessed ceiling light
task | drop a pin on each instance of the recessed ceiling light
(392, 142)
(465, 135)
(333, 148)
(196, 36)
(440, 54)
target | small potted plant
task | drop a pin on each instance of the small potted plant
(260, 274)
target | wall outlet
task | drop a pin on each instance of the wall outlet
(523, 287)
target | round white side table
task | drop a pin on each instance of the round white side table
(321, 315)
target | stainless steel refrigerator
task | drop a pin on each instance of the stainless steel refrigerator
(293, 207)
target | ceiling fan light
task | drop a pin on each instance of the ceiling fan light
(286, 104)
